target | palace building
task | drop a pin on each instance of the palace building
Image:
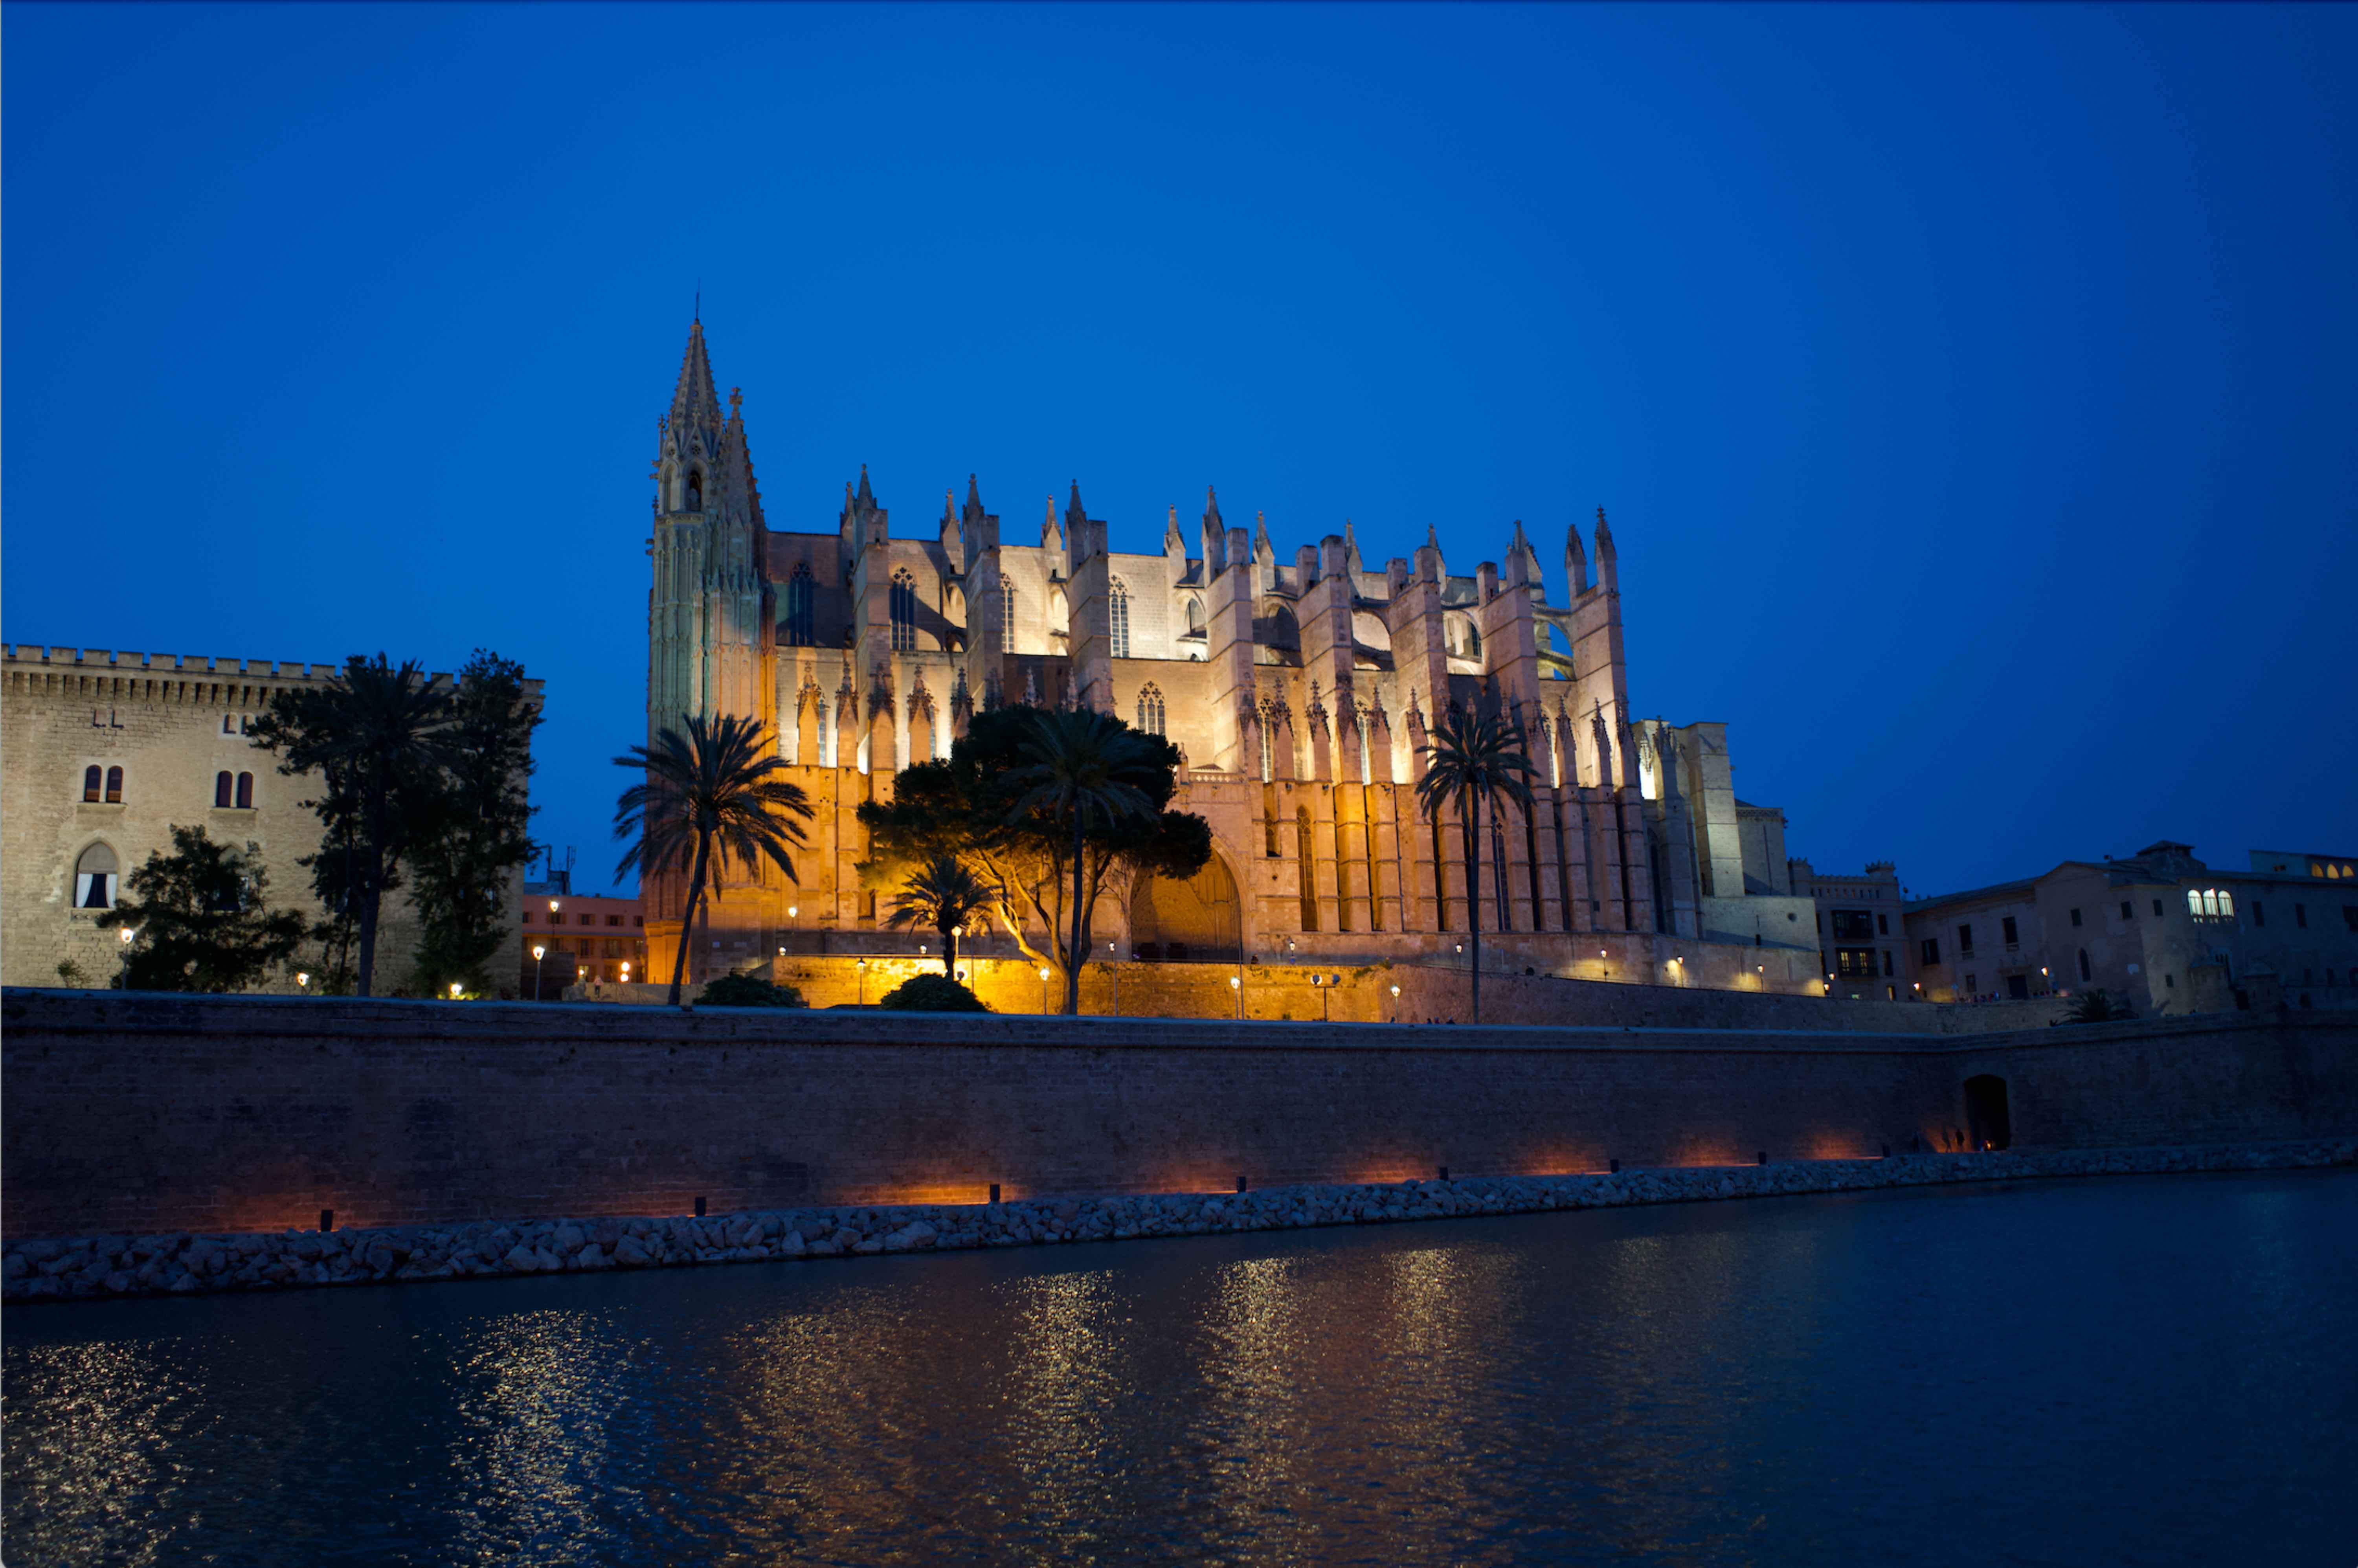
(1299, 688)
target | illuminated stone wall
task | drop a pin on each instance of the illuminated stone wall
(137, 1114)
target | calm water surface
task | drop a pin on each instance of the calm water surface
(2130, 1370)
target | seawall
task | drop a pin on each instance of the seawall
(150, 1113)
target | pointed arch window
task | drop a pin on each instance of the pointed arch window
(94, 879)
(1150, 709)
(91, 776)
(1118, 617)
(801, 610)
(695, 489)
(905, 610)
(1006, 613)
(1195, 616)
(114, 786)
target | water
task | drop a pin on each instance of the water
(2141, 1370)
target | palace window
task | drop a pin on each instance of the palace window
(1965, 941)
(1853, 925)
(2156, 909)
(905, 610)
(94, 879)
(2085, 972)
(1118, 617)
(114, 786)
(1854, 963)
(1929, 950)
(224, 790)
(1150, 709)
(1006, 613)
(2128, 910)
(245, 791)
(2300, 915)
(90, 777)
(2075, 917)
(2012, 933)
(227, 728)
(801, 613)
(2260, 912)
(2210, 903)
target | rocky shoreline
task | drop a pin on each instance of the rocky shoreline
(105, 1267)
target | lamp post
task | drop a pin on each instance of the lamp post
(456, 987)
(123, 952)
(1395, 1004)
(538, 951)
(862, 967)
(1044, 989)
(1114, 963)
(627, 971)
(1237, 984)
(303, 980)
(1678, 970)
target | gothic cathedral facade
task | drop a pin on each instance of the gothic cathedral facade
(1299, 690)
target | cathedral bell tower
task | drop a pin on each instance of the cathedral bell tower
(712, 632)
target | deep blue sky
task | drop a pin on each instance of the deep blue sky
(1973, 391)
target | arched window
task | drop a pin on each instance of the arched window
(94, 879)
(245, 791)
(1118, 617)
(227, 728)
(1195, 615)
(2086, 973)
(224, 788)
(1150, 709)
(905, 610)
(1006, 613)
(89, 784)
(801, 616)
(114, 786)
(694, 491)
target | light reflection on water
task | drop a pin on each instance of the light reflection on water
(2127, 1371)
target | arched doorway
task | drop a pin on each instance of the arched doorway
(1988, 1123)
(1199, 918)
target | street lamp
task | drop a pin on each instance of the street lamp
(1237, 984)
(1044, 987)
(862, 967)
(303, 979)
(627, 971)
(1396, 1004)
(1114, 963)
(537, 952)
(456, 988)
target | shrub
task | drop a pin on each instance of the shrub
(746, 990)
(931, 993)
(2095, 1007)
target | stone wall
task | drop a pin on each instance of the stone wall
(146, 1113)
(1363, 995)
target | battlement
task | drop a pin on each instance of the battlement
(97, 661)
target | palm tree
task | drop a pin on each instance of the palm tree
(1085, 766)
(943, 894)
(710, 788)
(377, 734)
(1472, 758)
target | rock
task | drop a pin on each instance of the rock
(590, 1256)
(523, 1260)
(568, 1238)
(910, 1238)
(549, 1261)
(790, 1244)
(630, 1254)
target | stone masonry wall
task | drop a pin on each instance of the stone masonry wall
(146, 1113)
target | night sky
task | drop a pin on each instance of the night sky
(1972, 390)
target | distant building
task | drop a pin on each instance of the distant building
(1862, 931)
(103, 754)
(565, 938)
(2161, 929)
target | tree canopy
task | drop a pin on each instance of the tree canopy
(978, 805)
(199, 919)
